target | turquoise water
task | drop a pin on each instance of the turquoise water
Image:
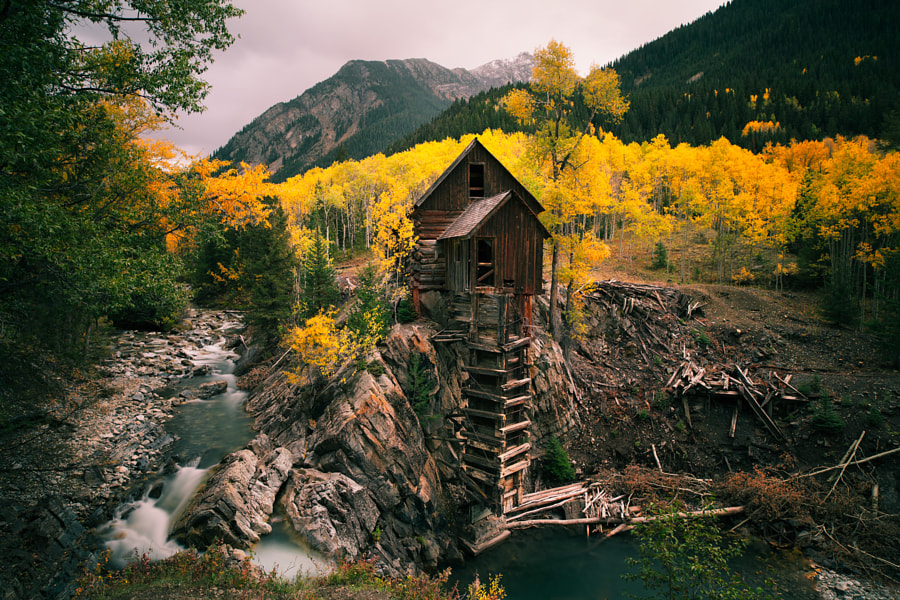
(557, 565)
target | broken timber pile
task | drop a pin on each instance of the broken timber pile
(597, 507)
(732, 382)
(649, 315)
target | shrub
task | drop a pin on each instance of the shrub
(874, 418)
(556, 464)
(825, 418)
(686, 558)
(421, 385)
(660, 257)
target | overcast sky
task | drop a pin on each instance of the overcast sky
(287, 46)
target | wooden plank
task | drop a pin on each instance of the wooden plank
(476, 393)
(513, 403)
(517, 344)
(515, 452)
(474, 412)
(510, 470)
(487, 371)
(515, 383)
(491, 464)
(515, 427)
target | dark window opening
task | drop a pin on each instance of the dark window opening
(484, 262)
(476, 180)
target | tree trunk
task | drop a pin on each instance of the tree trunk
(555, 321)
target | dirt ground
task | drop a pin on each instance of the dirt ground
(630, 419)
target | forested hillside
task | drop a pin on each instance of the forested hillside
(359, 111)
(753, 71)
(806, 68)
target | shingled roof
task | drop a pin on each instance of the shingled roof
(474, 215)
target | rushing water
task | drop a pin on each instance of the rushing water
(207, 431)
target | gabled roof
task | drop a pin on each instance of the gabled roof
(530, 201)
(477, 213)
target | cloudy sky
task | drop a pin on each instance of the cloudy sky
(287, 46)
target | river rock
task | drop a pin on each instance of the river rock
(332, 512)
(212, 388)
(236, 503)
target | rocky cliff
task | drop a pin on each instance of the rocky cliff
(353, 467)
(363, 107)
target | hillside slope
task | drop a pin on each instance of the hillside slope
(360, 110)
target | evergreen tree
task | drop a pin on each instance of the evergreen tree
(371, 315)
(320, 290)
(267, 267)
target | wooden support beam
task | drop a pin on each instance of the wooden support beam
(515, 427)
(515, 383)
(514, 468)
(515, 452)
(486, 414)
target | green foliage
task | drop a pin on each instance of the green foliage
(251, 267)
(874, 418)
(320, 290)
(686, 558)
(556, 463)
(701, 337)
(82, 236)
(371, 314)
(660, 256)
(825, 418)
(421, 385)
(406, 310)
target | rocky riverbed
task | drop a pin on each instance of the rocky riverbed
(99, 443)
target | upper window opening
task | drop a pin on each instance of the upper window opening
(476, 180)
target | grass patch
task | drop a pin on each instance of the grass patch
(212, 574)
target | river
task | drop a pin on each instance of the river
(207, 431)
(544, 564)
(539, 564)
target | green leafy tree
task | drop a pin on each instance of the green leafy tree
(84, 230)
(686, 558)
(320, 290)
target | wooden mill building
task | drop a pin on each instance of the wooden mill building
(480, 242)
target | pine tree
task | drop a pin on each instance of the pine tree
(320, 290)
(267, 271)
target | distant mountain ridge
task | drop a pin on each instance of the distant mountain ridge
(360, 110)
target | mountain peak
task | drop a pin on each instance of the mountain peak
(363, 107)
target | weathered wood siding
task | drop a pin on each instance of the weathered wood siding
(452, 196)
(518, 249)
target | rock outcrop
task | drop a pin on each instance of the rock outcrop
(367, 473)
(235, 505)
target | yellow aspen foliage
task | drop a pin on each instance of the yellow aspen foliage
(235, 194)
(320, 345)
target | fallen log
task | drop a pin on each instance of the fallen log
(719, 512)
(855, 462)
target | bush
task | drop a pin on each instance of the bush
(825, 418)
(421, 385)
(686, 558)
(660, 257)
(556, 464)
